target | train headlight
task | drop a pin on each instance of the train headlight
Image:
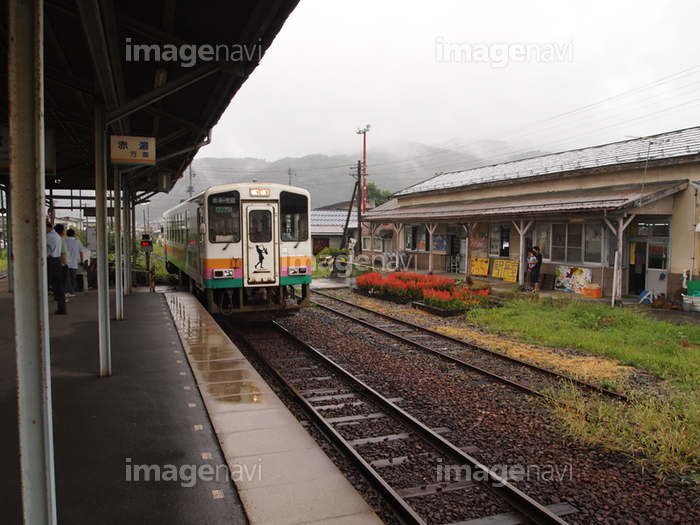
(223, 274)
(297, 270)
(259, 192)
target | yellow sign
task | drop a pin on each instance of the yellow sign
(506, 270)
(132, 150)
(480, 266)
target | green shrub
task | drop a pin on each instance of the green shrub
(321, 256)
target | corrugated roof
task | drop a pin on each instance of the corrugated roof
(659, 148)
(610, 198)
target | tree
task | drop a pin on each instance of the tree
(374, 193)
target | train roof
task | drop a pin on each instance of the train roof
(238, 185)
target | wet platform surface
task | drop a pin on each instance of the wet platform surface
(287, 478)
(107, 430)
(232, 455)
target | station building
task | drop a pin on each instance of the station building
(620, 217)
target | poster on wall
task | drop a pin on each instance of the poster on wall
(439, 242)
(480, 266)
(506, 270)
(479, 242)
(571, 279)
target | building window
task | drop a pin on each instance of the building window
(499, 240)
(542, 239)
(576, 243)
(650, 229)
(594, 243)
(559, 242)
(415, 238)
(408, 238)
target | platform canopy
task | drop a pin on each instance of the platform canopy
(165, 69)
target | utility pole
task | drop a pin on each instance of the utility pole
(363, 132)
(190, 188)
(291, 173)
(359, 206)
(347, 219)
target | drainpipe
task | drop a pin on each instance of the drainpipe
(692, 243)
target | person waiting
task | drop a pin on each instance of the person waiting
(76, 250)
(54, 264)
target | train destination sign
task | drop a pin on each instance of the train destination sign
(132, 150)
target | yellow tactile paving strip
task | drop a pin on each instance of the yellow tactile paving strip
(282, 476)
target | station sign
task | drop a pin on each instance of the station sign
(49, 150)
(132, 150)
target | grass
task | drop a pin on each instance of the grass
(157, 261)
(667, 350)
(661, 430)
(660, 433)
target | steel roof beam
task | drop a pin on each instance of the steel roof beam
(163, 91)
(91, 20)
(115, 59)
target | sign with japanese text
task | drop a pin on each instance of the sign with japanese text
(506, 270)
(480, 266)
(132, 150)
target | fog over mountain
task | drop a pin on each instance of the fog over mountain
(330, 178)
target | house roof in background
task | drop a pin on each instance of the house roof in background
(667, 148)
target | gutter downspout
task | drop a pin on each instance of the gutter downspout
(692, 244)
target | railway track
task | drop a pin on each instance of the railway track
(521, 375)
(403, 459)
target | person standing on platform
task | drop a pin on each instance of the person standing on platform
(54, 265)
(76, 250)
(65, 254)
(535, 272)
(531, 262)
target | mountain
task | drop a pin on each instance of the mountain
(330, 178)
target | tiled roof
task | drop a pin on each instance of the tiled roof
(327, 230)
(672, 145)
(333, 218)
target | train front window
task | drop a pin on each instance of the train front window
(224, 217)
(294, 217)
(260, 226)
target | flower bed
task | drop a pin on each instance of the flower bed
(434, 310)
(431, 290)
(460, 298)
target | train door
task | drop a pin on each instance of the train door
(261, 257)
(200, 242)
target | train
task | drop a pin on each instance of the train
(244, 249)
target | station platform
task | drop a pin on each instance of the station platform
(226, 449)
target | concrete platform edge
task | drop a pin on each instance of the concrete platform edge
(295, 481)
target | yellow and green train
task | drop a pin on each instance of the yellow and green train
(245, 249)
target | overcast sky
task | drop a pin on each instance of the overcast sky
(612, 68)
